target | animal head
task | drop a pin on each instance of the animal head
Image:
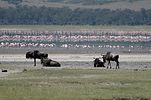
(29, 54)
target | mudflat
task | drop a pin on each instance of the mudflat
(81, 60)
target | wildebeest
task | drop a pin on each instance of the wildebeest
(50, 63)
(36, 55)
(98, 63)
(109, 57)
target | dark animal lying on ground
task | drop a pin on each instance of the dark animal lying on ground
(35, 55)
(109, 57)
(98, 63)
(50, 63)
(4, 70)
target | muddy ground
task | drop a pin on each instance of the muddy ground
(15, 63)
(128, 61)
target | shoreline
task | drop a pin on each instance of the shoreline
(77, 57)
(72, 51)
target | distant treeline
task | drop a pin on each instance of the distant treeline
(66, 16)
(13, 1)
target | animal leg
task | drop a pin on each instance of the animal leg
(117, 65)
(110, 64)
(34, 62)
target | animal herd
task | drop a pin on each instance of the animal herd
(45, 61)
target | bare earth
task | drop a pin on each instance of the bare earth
(125, 59)
(17, 62)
